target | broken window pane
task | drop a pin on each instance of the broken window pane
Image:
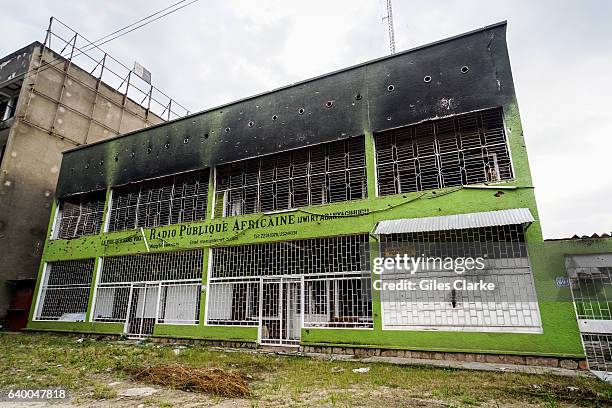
(465, 149)
(81, 214)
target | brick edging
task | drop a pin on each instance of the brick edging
(540, 361)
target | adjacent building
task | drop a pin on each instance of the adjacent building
(260, 222)
(48, 104)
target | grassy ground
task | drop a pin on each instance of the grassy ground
(93, 373)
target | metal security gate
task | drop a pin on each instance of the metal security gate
(142, 309)
(280, 311)
(590, 278)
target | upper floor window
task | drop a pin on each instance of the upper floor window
(465, 149)
(163, 201)
(321, 174)
(81, 214)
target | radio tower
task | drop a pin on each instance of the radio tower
(389, 18)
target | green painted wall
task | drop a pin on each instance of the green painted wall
(560, 335)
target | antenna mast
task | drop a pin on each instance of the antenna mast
(389, 19)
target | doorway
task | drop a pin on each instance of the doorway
(142, 310)
(280, 311)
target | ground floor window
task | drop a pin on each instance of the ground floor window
(447, 295)
(64, 293)
(590, 279)
(284, 286)
(144, 289)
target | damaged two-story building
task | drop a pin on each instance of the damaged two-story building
(258, 222)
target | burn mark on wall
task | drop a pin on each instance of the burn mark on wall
(424, 83)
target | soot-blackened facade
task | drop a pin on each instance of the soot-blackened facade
(259, 221)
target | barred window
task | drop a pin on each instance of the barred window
(511, 306)
(65, 290)
(321, 255)
(146, 289)
(180, 265)
(81, 214)
(465, 149)
(250, 280)
(321, 174)
(162, 201)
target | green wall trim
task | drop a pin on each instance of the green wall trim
(227, 333)
(76, 327)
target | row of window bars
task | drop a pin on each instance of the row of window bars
(466, 149)
(592, 293)
(598, 348)
(337, 281)
(330, 300)
(321, 174)
(497, 242)
(178, 302)
(340, 254)
(65, 290)
(81, 214)
(171, 294)
(332, 267)
(163, 201)
(513, 303)
(176, 276)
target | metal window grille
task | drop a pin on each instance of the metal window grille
(162, 201)
(303, 257)
(464, 149)
(592, 291)
(598, 348)
(511, 307)
(151, 288)
(65, 290)
(81, 214)
(499, 242)
(321, 174)
(338, 301)
(333, 273)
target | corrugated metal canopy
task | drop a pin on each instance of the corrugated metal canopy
(458, 221)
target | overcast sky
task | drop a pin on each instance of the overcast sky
(213, 52)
